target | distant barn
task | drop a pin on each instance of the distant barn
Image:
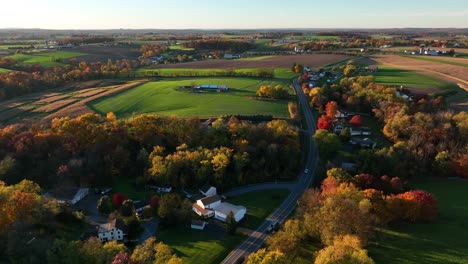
(212, 87)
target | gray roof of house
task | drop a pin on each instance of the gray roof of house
(210, 199)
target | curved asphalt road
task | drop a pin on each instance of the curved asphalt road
(258, 237)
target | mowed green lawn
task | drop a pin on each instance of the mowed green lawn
(259, 205)
(162, 97)
(45, 59)
(199, 246)
(444, 241)
(3, 70)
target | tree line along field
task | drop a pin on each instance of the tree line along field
(279, 73)
(46, 59)
(162, 97)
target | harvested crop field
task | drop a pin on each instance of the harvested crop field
(286, 61)
(54, 106)
(90, 92)
(80, 107)
(51, 99)
(69, 100)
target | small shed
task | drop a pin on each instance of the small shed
(198, 224)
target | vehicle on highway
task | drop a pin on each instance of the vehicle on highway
(272, 227)
(306, 171)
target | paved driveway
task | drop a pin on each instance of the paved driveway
(149, 229)
(89, 205)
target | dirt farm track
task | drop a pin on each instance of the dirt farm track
(284, 61)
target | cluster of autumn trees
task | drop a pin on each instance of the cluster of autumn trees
(425, 137)
(219, 44)
(275, 92)
(94, 251)
(36, 78)
(342, 216)
(95, 150)
(24, 214)
(150, 50)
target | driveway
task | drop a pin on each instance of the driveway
(89, 205)
(149, 229)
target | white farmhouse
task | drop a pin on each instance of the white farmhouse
(114, 230)
(222, 211)
(205, 207)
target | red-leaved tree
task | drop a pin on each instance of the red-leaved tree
(356, 121)
(324, 122)
(118, 199)
(154, 201)
(418, 205)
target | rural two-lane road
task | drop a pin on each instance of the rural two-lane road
(258, 237)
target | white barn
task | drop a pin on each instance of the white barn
(222, 211)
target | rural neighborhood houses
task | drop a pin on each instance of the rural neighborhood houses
(114, 230)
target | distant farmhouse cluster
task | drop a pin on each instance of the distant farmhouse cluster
(423, 51)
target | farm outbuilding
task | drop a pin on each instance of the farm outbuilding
(212, 87)
(222, 211)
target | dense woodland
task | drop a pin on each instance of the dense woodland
(92, 150)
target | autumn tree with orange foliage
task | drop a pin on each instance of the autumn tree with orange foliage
(331, 109)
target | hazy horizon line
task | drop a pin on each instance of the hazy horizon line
(208, 29)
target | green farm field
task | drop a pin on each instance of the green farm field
(45, 59)
(3, 70)
(443, 241)
(399, 77)
(162, 97)
(179, 47)
(417, 82)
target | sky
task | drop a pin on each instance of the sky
(232, 14)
